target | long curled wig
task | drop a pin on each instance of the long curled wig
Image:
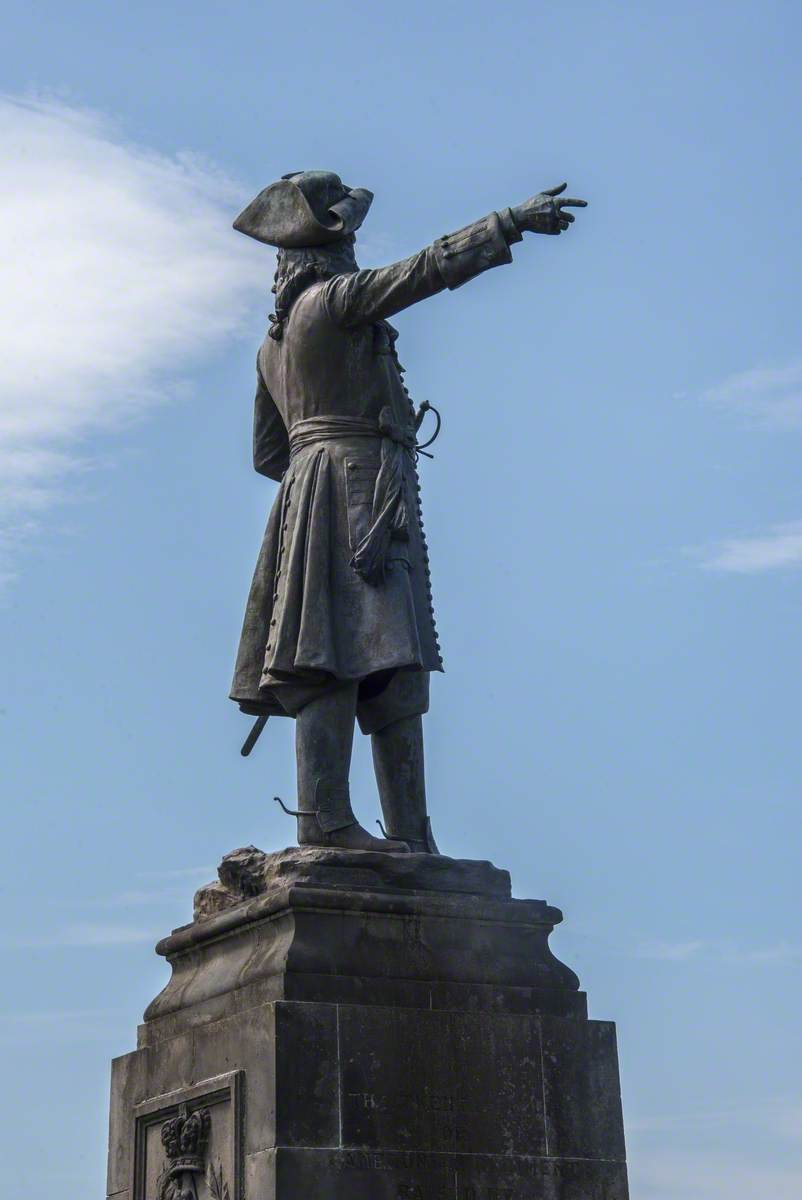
(296, 270)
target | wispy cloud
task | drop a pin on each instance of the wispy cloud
(62, 1025)
(88, 934)
(733, 1153)
(778, 1115)
(158, 889)
(671, 951)
(181, 873)
(781, 954)
(161, 887)
(677, 1175)
(770, 397)
(780, 547)
(138, 898)
(120, 270)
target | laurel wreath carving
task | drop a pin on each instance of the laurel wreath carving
(218, 1190)
(170, 1189)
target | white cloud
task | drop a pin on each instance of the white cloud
(780, 954)
(671, 951)
(780, 547)
(667, 1175)
(61, 1025)
(120, 273)
(89, 934)
(180, 873)
(771, 398)
(780, 1116)
(768, 396)
(728, 952)
(787, 1122)
(742, 1152)
(136, 898)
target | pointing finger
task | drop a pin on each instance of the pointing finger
(555, 191)
(574, 203)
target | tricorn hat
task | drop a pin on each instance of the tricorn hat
(304, 208)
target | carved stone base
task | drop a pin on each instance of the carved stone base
(368, 1027)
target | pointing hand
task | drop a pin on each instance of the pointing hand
(544, 213)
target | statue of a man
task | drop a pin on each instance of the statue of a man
(339, 623)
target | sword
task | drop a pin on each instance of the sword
(253, 736)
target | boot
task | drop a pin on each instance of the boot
(398, 763)
(332, 823)
(323, 739)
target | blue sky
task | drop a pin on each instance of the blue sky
(614, 514)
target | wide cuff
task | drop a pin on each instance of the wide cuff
(510, 230)
(463, 255)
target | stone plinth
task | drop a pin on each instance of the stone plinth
(356, 1026)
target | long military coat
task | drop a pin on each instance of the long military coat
(341, 587)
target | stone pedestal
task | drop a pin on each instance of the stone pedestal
(354, 1026)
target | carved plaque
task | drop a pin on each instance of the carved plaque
(400, 1175)
(441, 1081)
(188, 1144)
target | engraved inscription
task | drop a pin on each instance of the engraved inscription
(379, 1160)
(590, 1181)
(419, 1191)
(401, 1089)
(490, 1193)
(426, 1101)
(439, 1110)
(435, 1176)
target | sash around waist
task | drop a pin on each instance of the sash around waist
(389, 518)
(320, 429)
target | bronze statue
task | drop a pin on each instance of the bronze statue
(339, 623)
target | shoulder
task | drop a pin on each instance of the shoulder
(309, 307)
(313, 296)
(322, 302)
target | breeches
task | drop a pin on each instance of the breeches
(382, 698)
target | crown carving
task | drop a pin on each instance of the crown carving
(184, 1139)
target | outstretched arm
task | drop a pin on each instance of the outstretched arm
(372, 295)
